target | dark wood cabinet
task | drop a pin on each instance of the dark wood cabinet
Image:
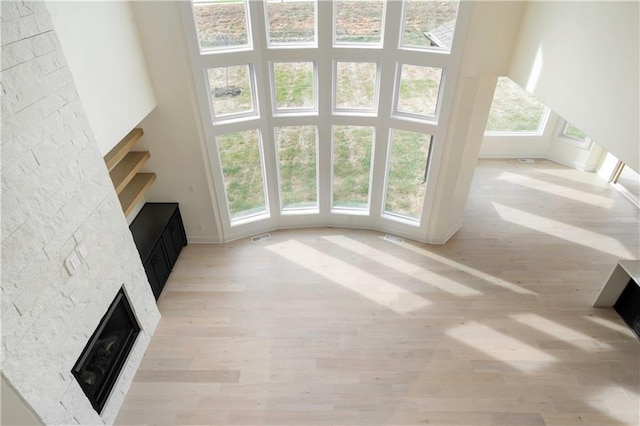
(159, 235)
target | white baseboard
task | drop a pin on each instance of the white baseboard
(203, 240)
(450, 234)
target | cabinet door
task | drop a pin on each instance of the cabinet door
(176, 230)
(157, 269)
(172, 252)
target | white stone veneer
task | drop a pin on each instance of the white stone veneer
(56, 193)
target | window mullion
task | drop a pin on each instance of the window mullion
(324, 63)
(388, 60)
(264, 102)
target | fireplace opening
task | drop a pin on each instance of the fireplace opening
(98, 367)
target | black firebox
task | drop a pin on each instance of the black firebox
(102, 359)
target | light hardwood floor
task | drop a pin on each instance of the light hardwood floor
(340, 327)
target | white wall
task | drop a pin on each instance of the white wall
(488, 44)
(56, 193)
(582, 60)
(102, 47)
(173, 131)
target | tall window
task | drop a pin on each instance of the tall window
(515, 111)
(308, 115)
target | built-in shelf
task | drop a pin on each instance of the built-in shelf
(135, 190)
(127, 168)
(123, 147)
(123, 165)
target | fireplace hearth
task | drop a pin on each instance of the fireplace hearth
(106, 352)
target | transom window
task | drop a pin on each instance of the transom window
(322, 111)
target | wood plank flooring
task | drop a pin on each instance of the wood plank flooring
(340, 327)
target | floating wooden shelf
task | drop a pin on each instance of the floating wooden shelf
(135, 190)
(123, 165)
(127, 168)
(123, 147)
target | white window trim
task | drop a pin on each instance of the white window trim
(296, 210)
(324, 54)
(290, 45)
(373, 111)
(405, 115)
(284, 112)
(237, 48)
(542, 127)
(362, 45)
(362, 211)
(235, 116)
(417, 48)
(563, 137)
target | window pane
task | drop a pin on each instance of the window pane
(231, 90)
(221, 24)
(573, 132)
(294, 88)
(291, 22)
(514, 110)
(241, 161)
(406, 170)
(356, 85)
(419, 88)
(429, 24)
(297, 160)
(351, 166)
(359, 21)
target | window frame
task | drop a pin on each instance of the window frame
(286, 112)
(358, 45)
(384, 119)
(411, 115)
(239, 116)
(357, 211)
(252, 217)
(226, 49)
(296, 210)
(542, 123)
(431, 49)
(290, 45)
(373, 111)
(562, 135)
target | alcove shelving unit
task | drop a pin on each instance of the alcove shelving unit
(124, 165)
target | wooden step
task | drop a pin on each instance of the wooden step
(127, 168)
(122, 148)
(135, 190)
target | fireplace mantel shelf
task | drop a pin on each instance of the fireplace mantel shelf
(619, 278)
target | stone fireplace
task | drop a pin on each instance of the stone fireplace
(57, 194)
(99, 366)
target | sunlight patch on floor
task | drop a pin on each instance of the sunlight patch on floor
(572, 175)
(561, 332)
(567, 232)
(430, 278)
(350, 277)
(611, 325)
(501, 347)
(621, 405)
(559, 190)
(490, 279)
